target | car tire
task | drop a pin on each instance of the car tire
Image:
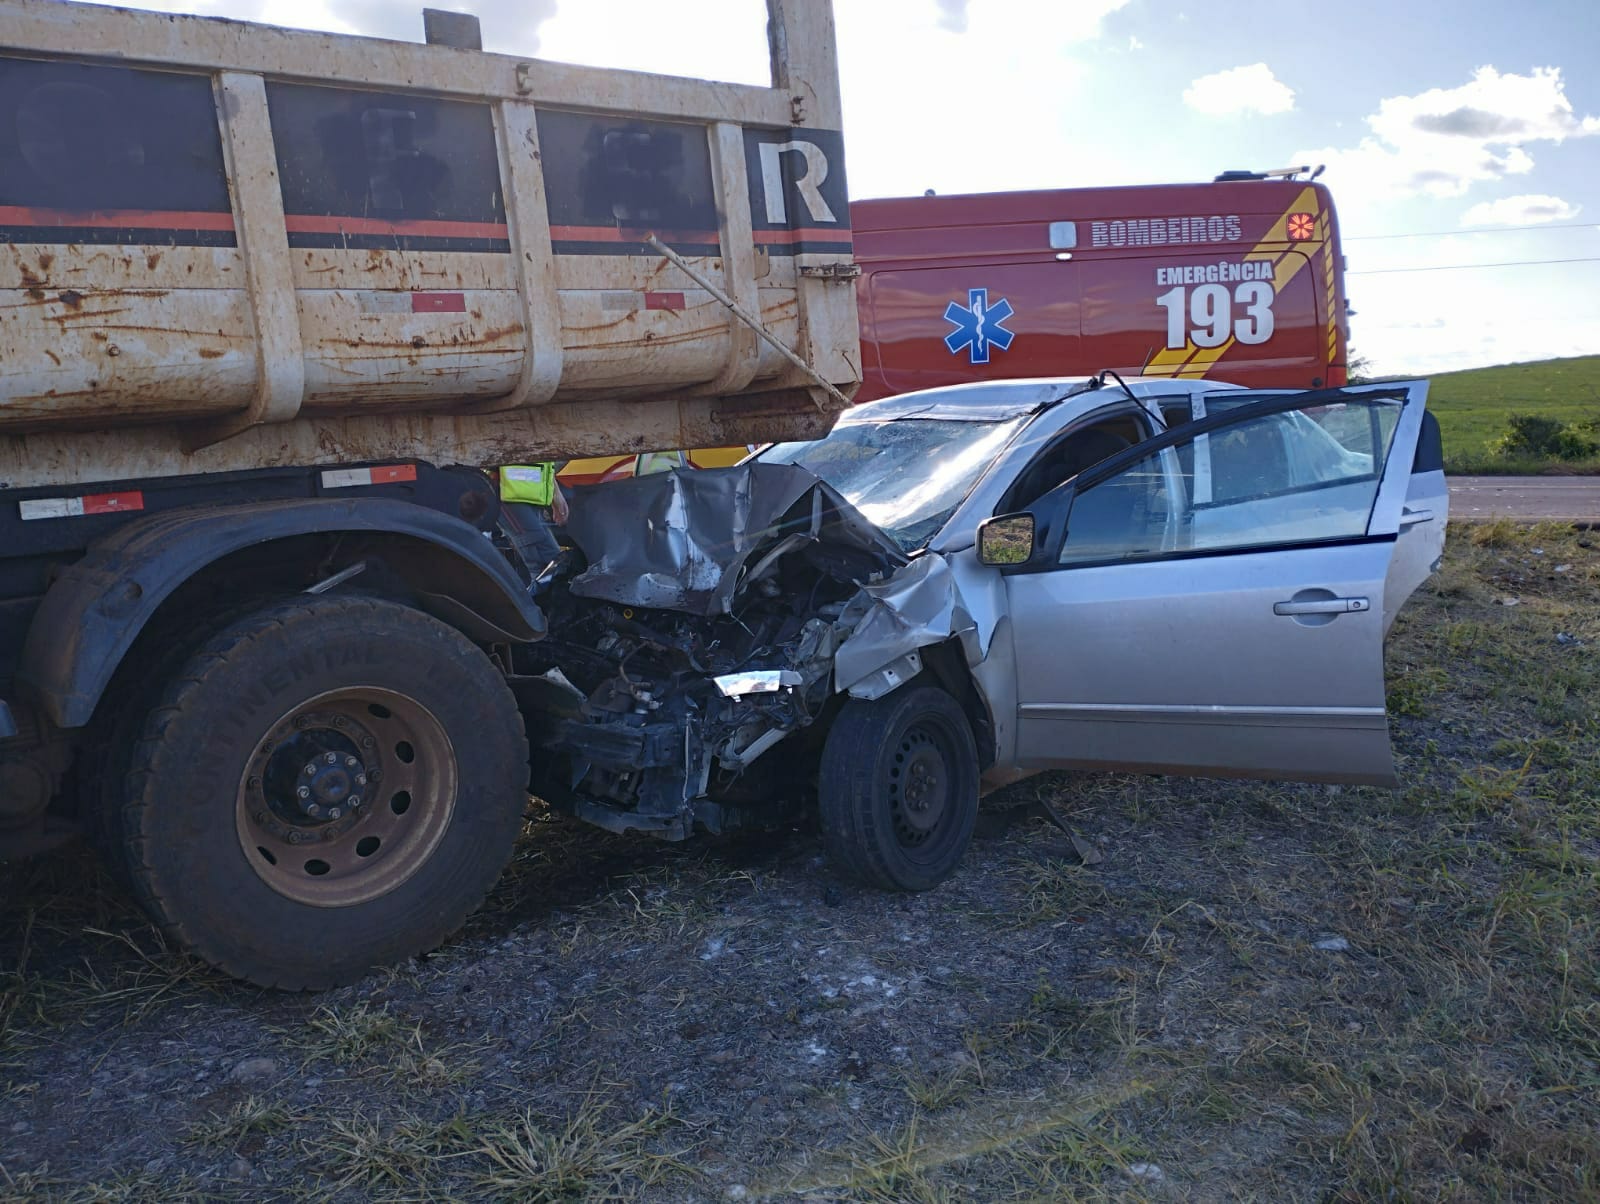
(898, 789)
(326, 786)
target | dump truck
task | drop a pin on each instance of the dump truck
(270, 304)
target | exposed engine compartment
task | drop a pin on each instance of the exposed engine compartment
(698, 631)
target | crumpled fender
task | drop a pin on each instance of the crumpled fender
(889, 621)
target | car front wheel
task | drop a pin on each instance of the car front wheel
(898, 791)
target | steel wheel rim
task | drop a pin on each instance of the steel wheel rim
(346, 797)
(920, 787)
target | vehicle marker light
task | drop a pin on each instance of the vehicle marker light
(382, 474)
(74, 507)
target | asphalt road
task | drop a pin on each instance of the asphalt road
(1572, 498)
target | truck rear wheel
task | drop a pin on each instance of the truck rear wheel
(898, 790)
(327, 786)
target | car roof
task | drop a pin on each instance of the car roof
(993, 401)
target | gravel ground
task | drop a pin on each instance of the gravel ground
(1260, 991)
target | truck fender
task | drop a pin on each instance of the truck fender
(96, 608)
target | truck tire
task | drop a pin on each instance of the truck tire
(101, 768)
(898, 790)
(327, 786)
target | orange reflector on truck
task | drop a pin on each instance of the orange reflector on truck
(72, 507)
(382, 474)
(1301, 226)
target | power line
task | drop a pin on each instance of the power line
(1462, 267)
(1474, 230)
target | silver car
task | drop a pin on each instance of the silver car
(960, 587)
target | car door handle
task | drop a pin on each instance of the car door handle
(1322, 606)
(1410, 518)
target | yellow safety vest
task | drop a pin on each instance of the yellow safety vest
(534, 484)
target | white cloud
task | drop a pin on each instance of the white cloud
(1252, 89)
(953, 15)
(1520, 211)
(1134, 43)
(1441, 142)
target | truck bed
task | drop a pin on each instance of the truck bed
(232, 246)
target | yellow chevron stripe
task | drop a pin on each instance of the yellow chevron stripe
(1324, 229)
(1192, 362)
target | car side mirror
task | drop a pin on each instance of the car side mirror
(1006, 540)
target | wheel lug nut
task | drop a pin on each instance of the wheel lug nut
(361, 779)
(302, 721)
(293, 837)
(313, 810)
(338, 721)
(311, 771)
(369, 742)
(303, 792)
(375, 775)
(331, 758)
(351, 762)
(334, 812)
(354, 800)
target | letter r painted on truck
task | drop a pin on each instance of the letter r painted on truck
(799, 202)
(808, 185)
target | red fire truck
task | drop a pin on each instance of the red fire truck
(1240, 279)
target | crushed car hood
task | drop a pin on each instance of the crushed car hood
(683, 540)
(719, 612)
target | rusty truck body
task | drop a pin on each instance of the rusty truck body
(269, 303)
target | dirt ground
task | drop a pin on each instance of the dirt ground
(1263, 991)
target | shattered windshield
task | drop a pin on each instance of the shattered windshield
(906, 476)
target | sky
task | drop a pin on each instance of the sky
(1456, 134)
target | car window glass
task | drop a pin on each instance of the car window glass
(1292, 477)
(1065, 456)
(1175, 411)
(1317, 444)
(1130, 515)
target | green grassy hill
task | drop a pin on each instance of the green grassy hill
(1472, 408)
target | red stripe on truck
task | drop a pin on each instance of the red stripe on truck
(124, 219)
(303, 223)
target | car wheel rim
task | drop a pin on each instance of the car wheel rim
(919, 786)
(346, 797)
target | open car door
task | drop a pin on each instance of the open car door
(1211, 601)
